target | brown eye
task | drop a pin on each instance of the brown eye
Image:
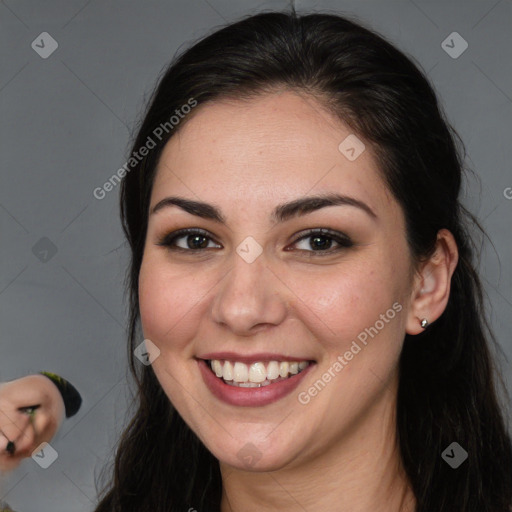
(193, 240)
(320, 242)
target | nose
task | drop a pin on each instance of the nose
(250, 298)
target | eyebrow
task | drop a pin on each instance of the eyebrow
(283, 212)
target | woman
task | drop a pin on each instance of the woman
(32, 409)
(302, 273)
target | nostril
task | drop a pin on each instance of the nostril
(10, 448)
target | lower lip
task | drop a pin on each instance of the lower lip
(249, 397)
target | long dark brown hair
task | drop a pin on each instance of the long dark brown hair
(448, 383)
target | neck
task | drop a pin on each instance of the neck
(360, 472)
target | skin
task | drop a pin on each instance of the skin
(16, 426)
(246, 158)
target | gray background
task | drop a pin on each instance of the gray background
(65, 127)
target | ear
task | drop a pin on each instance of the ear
(431, 287)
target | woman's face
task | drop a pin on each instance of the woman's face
(263, 298)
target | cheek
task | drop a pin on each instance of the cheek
(356, 317)
(169, 300)
(342, 304)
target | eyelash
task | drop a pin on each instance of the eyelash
(343, 240)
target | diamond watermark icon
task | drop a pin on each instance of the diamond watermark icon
(454, 455)
(146, 352)
(249, 249)
(44, 45)
(454, 45)
(249, 455)
(351, 147)
(44, 249)
(45, 455)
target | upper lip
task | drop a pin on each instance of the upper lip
(250, 358)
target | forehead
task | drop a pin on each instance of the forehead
(272, 148)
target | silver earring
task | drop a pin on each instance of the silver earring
(424, 323)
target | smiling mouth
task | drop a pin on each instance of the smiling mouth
(255, 375)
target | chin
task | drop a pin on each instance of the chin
(253, 455)
(254, 464)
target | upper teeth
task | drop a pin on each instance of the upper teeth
(256, 372)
